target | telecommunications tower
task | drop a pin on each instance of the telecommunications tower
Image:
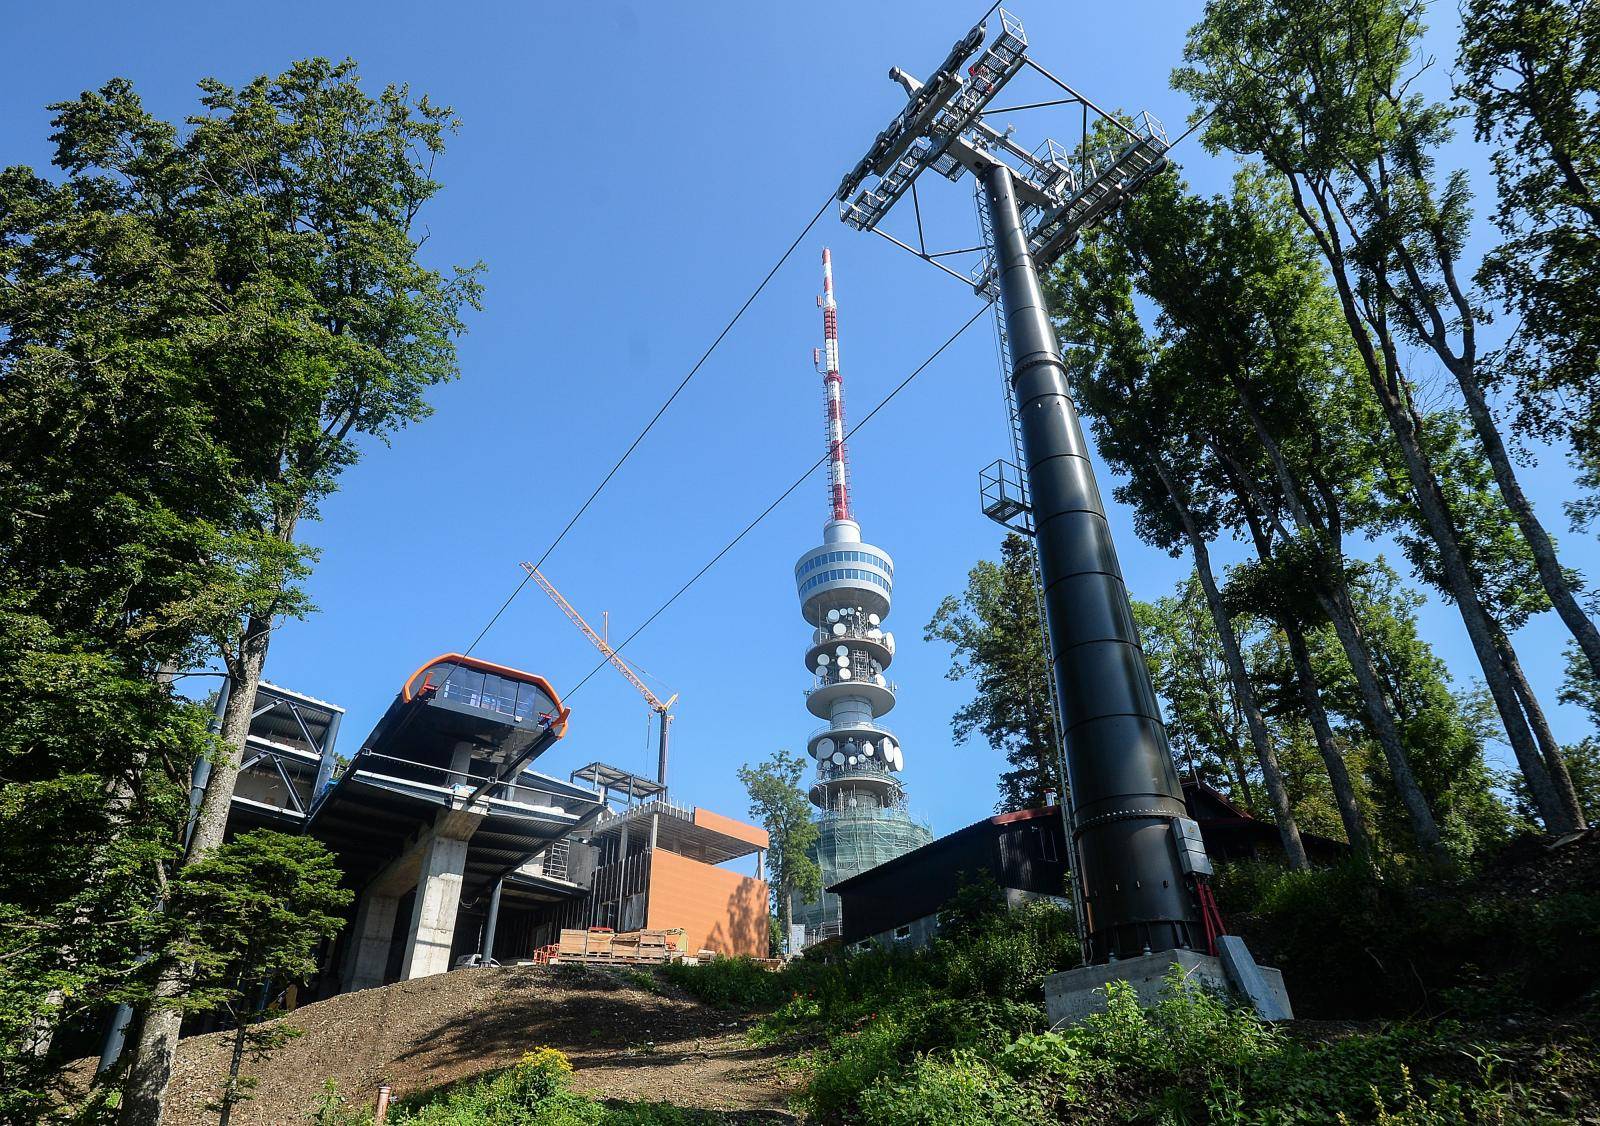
(845, 587)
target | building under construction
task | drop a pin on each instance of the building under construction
(456, 846)
(845, 586)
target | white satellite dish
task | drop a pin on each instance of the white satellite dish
(899, 759)
(822, 659)
(841, 651)
(873, 619)
(824, 747)
(880, 681)
(875, 633)
(838, 629)
(838, 759)
(852, 760)
(866, 747)
(844, 672)
(888, 642)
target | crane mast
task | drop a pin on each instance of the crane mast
(657, 705)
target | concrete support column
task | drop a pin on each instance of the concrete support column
(370, 940)
(492, 921)
(433, 918)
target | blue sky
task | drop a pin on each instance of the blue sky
(628, 172)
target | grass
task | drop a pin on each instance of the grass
(958, 1033)
(532, 1092)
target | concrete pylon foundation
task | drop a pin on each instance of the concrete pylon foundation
(1074, 994)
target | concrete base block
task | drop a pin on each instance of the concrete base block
(1074, 994)
(368, 957)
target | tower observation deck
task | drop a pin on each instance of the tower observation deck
(845, 587)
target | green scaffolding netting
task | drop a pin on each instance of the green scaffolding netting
(852, 841)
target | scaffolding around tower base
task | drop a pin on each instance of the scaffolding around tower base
(853, 838)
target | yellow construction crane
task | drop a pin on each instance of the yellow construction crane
(657, 705)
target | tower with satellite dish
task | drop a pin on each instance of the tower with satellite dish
(845, 586)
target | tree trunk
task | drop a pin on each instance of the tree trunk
(1344, 791)
(1421, 306)
(1554, 760)
(1293, 848)
(151, 1070)
(785, 916)
(1341, 612)
(1553, 578)
(1333, 596)
(1480, 629)
(1374, 341)
(235, 1062)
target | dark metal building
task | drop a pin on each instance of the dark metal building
(898, 902)
(1232, 834)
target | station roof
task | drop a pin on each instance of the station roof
(698, 834)
(613, 779)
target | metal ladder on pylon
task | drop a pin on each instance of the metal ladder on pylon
(1027, 527)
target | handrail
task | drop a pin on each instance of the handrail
(853, 725)
(467, 777)
(818, 684)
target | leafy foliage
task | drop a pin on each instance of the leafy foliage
(198, 326)
(914, 1038)
(782, 807)
(534, 1092)
(1530, 72)
(993, 632)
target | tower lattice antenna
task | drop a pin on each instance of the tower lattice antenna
(826, 359)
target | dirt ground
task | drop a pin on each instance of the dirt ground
(624, 1043)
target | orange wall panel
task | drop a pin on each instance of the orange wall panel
(738, 830)
(717, 909)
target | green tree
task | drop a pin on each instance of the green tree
(1530, 70)
(1504, 575)
(1233, 412)
(783, 809)
(1322, 93)
(994, 633)
(118, 504)
(1190, 673)
(248, 919)
(318, 328)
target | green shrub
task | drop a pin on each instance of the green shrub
(937, 1092)
(1353, 946)
(883, 1044)
(1008, 955)
(533, 1092)
(729, 983)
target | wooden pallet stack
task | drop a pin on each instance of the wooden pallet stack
(600, 945)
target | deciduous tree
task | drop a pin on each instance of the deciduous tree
(778, 802)
(995, 639)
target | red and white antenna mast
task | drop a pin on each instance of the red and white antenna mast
(826, 359)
